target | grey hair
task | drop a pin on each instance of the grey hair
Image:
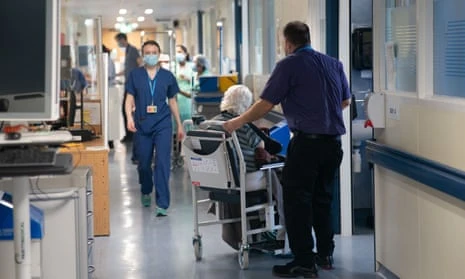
(202, 61)
(237, 99)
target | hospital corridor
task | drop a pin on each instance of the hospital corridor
(223, 139)
(144, 246)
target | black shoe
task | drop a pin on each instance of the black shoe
(111, 145)
(126, 139)
(324, 262)
(292, 270)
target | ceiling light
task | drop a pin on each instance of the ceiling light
(125, 28)
(120, 19)
(140, 19)
(148, 11)
(88, 22)
(123, 11)
(134, 25)
(142, 33)
(117, 25)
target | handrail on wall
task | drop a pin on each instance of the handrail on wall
(436, 175)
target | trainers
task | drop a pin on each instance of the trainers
(146, 200)
(292, 270)
(161, 212)
(324, 262)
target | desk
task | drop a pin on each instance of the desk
(95, 155)
(66, 247)
(21, 217)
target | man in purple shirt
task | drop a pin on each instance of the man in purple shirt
(313, 91)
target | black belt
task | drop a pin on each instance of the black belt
(316, 136)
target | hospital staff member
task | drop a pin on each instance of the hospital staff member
(184, 74)
(313, 91)
(148, 89)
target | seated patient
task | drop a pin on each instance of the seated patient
(237, 99)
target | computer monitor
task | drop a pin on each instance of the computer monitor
(29, 59)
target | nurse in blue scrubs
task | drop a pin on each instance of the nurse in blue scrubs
(152, 97)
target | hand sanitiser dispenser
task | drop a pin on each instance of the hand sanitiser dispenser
(375, 110)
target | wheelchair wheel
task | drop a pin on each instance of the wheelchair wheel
(197, 243)
(180, 162)
(243, 257)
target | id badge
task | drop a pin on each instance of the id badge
(151, 109)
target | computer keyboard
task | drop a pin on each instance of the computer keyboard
(27, 157)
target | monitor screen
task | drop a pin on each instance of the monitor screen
(22, 53)
(29, 59)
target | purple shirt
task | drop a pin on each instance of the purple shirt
(310, 87)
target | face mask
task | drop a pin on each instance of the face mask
(180, 57)
(194, 68)
(121, 45)
(151, 59)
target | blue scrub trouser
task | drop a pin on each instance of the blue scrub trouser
(134, 146)
(160, 140)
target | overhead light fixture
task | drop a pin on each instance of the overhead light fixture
(123, 11)
(134, 25)
(88, 22)
(140, 19)
(120, 19)
(142, 33)
(148, 11)
(117, 25)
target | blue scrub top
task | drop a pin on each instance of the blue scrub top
(166, 87)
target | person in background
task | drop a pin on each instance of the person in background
(201, 68)
(76, 85)
(184, 76)
(313, 91)
(165, 62)
(151, 95)
(132, 61)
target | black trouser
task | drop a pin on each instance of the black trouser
(308, 177)
(128, 134)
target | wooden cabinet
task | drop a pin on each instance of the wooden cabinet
(94, 154)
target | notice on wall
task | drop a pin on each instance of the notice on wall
(91, 114)
(204, 165)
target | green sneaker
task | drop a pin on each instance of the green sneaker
(146, 200)
(161, 212)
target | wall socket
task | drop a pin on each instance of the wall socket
(393, 111)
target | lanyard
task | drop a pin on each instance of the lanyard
(152, 85)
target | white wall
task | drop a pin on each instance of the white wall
(317, 24)
(420, 231)
(286, 11)
(225, 10)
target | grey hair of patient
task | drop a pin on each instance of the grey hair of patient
(237, 99)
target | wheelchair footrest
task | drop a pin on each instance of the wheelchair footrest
(252, 198)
